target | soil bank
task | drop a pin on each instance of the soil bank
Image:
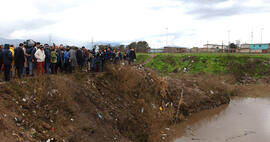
(122, 104)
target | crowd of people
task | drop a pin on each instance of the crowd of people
(44, 59)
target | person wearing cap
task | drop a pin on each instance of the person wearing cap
(7, 59)
(19, 59)
(40, 56)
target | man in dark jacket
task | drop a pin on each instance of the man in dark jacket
(80, 58)
(60, 58)
(19, 59)
(132, 56)
(7, 59)
(47, 58)
(33, 60)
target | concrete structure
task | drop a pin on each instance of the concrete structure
(170, 49)
(160, 50)
(214, 46)
(259, 46)
(207, 50)
(243, 50)
(244, 46)
(194, 50)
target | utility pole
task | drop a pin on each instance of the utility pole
(229, 32)
(167, 32)
(252, 36)
(92, 42)
(262, 34)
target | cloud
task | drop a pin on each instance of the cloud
(8, 28)
(210, 9)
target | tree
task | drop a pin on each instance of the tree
(141, 46)
(232, 46)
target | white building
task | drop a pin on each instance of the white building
(216, 46)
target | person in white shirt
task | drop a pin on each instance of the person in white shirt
(40, 56)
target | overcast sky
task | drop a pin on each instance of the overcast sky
(190, 22)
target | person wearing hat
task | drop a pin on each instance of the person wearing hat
(7, 59)
(19, 59)
(40, 56)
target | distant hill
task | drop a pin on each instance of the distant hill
(16, 42)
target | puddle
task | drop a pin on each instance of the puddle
(243, 120)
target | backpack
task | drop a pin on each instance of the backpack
(29, 50)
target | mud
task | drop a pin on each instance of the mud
(122, 104)
(243, 120)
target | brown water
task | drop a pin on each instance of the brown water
(243, 120)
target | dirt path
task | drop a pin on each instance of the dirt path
(149, 59)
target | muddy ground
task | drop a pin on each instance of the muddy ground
(122, 104)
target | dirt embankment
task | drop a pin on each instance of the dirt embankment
(122, 104)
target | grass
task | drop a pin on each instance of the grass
(237, 64)
(141, 58)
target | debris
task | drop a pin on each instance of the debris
(211, 92)
(24, 100)
(142, 110)
(72, 119)
(99, 116)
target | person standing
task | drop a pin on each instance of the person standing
(53, 61)
(80, 59)
(33, 60)
(47, 58)
(67, 61)
(7, 59)
(60, 58)
(40, 56)
(26, 60)
(19, 59)
(132, 56)
(73, 58)
(12, 69)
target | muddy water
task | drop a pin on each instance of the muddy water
(243, 120)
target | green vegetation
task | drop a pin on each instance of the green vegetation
(255, 65)
(141, 58)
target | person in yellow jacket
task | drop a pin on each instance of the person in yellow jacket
(13, 71)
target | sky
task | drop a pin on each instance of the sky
(186, 23)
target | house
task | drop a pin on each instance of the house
(171, 49)
(207, 50)
(159, 50)
(214, 46)
(194, 50)
(259, 48)
(244, 46)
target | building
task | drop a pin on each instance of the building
(244, 46)
(214, 46)
(259, 46)
(171, 49)
(208, 50)
(160, 50)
